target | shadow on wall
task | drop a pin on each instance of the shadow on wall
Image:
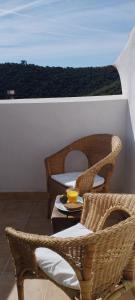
(130, 157)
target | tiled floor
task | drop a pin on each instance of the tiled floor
(29, 216)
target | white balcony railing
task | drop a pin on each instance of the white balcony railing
(30, 130)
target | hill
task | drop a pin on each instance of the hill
(31, 81)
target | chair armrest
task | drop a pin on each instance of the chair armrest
(35, 240)
(86, 207)
(95, 204)
(108, 160)
(85, 181)
(23, 247)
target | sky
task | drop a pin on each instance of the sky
(74, 33)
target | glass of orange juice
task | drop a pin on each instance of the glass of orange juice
(72, 195)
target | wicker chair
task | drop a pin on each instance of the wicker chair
(99, 260)
(101, 151)
(94, 210)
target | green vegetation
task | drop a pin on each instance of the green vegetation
(31, 81)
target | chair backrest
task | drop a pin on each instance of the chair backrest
(101, 151)
(113, 216)
(95, 147)
(108, 255)
(96, 205)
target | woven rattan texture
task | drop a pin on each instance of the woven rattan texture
(101, 151)
(96, 206)
(98, 259)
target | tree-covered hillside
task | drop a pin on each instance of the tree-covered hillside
(31, 81)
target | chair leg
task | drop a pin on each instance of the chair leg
(49, 207)
(49, 210)
(133, 291)
(20, 289)
(85, 296)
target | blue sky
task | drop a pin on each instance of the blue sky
(64, 32)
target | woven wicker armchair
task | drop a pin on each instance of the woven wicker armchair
(99, 259)
(101, 151)
(94, 210)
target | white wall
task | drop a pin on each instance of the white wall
(130, 157)
(126, 67)
(30, 131)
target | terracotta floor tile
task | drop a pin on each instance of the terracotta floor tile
(4, 255)
(55, 293)
(9, 266)
(36, 289)
(40, 226)
(7, 287)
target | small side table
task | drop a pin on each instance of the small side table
(61, 221)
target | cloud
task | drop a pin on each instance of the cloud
(60, 30)
(18, 9)
(76, 48)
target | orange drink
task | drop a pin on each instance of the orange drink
(72, 195)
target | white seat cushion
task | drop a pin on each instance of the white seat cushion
(54, 265)
(69, 179)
